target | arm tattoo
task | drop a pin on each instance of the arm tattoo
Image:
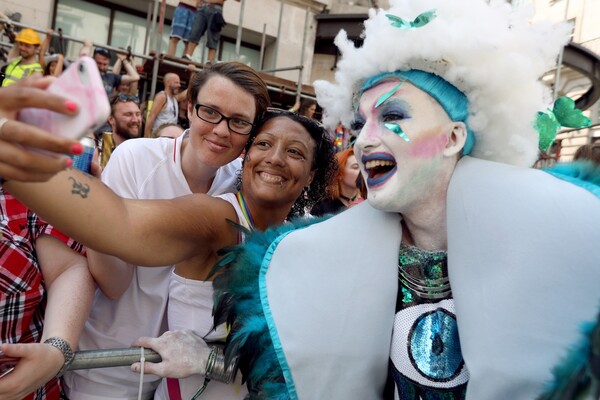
(79, 188)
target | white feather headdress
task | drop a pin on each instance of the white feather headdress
(491, 52)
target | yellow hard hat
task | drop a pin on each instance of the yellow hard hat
(28, 36)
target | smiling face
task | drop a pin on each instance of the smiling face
(278, 164)
(126, 120)
(214, 145)
(407, 145)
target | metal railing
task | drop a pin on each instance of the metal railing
(158, 57)
(87, 359)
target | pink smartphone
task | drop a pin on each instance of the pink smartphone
(81, 82)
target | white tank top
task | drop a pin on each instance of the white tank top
(169, 113)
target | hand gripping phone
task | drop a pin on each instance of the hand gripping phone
(81, 83)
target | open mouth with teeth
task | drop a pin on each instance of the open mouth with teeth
(380, 167)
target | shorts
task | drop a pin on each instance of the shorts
(183, 18)
(209, 19)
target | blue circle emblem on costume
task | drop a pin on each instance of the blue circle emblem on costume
(434, 348)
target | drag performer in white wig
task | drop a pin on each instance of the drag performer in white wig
(496, 264)
(467, 274)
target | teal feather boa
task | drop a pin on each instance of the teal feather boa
(237, 303)
(585, 174)
(577, 377)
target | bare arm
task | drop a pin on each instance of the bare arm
(132, 75)
(191, 68)
(60, 63)
(70, 293)
(86, 50)
(157, 105)
(44, 47)
(70, 289)
(142, 232)
(112, 275)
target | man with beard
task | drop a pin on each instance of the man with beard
(23, 57)
(165, 107)
(125, 122)
(125, 118)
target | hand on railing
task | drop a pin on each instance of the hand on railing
(183, 354)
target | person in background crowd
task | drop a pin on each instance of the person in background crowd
(343, 192)
(124, 123)
(209, 20)
(172, 131)
(125, 118)
(23, 57)
(589, 152)
(306, 107)
(52, 64)
(47, 288)
(182, 23)
(113, 80)
(165, 107)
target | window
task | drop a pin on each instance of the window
(249, 56)
(80, 19)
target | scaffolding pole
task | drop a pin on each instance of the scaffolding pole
(301, 70)
(278, 35)
(238, 39)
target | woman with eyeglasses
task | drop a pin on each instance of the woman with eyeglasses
(132, 301)
(287, 167)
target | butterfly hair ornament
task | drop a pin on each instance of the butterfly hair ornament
(563, 114)
(489, 51)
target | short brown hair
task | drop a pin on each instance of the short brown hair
(240, 74)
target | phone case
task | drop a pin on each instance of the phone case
(81, 83)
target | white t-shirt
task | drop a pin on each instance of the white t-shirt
(140, 169)
(190, 307)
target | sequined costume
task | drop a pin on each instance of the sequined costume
(426, 360)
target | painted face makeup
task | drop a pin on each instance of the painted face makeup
(403, 133)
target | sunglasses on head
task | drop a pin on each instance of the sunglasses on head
(102, 51)
(124, 98)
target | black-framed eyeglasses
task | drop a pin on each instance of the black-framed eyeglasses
(212, 116)
(124, 98)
